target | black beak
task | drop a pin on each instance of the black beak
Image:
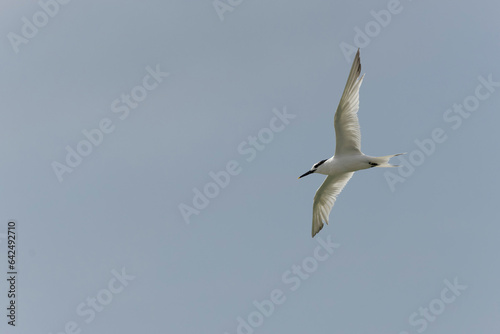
(305, 174)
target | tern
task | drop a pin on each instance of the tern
(348, 157)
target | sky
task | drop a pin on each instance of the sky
(150, 155)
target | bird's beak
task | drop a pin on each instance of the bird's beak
(305, 174)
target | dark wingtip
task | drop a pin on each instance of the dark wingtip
(313, 234)
(359, 61)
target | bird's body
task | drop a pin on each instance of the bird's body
(348, 157)
(349, 163)
(352, 163)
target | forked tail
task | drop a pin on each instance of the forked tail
(384, 161)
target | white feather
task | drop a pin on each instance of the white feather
(325, 198)
(347, 131)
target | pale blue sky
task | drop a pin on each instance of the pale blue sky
(398, 249)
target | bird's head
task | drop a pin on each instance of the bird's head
(314, 168)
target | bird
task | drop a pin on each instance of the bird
(348, 157)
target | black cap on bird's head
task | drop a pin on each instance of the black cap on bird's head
(313, 168)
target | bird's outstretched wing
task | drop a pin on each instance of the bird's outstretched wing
(325, 197)
(347, 132)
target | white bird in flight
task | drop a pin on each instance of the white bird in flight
(348, 157)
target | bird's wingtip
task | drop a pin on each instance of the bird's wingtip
(314, 232)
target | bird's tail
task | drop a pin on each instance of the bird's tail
(384, 161)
